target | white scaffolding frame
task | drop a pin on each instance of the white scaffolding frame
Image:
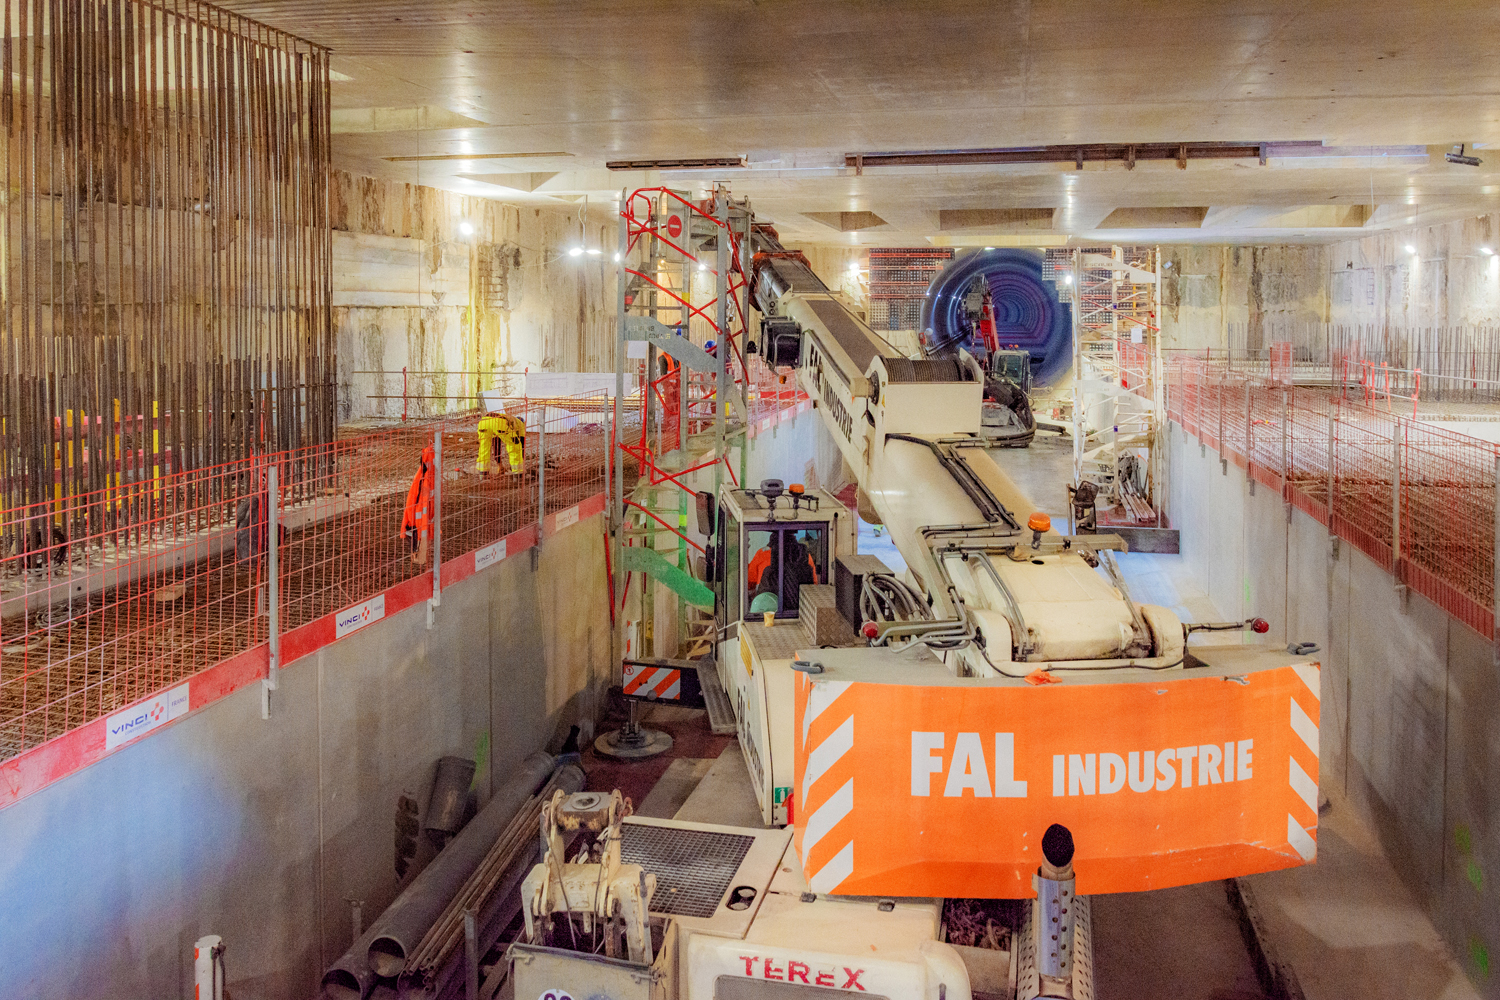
(1117, 388)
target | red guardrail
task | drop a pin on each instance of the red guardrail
(125, 592)
(1415, 497)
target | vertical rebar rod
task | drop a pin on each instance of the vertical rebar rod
(1495, 568)
(1396, 500)
(273, 576)
(1332, 480)
(1286, 438)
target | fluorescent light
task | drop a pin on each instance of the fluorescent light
(467, 228)
(576, 252)
(1410, 248)
(1487, 251)
(594, 251)
(989, 248)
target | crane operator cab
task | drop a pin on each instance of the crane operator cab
(774, 551)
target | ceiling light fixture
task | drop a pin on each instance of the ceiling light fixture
(617, 258)
(1459, 157)
(467, 228)
(576, 252)
(703, 267)
(1487, 251)
(1410, 249)
(1067, 279)
(594, 251)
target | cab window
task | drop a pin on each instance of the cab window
(781, 558)
(731, 575)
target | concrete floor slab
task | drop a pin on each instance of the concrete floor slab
(1182, 943)
(875, 541)
(1167, 581)
(691, 739)
(673, 787)
(1349, 927)
(724, 795)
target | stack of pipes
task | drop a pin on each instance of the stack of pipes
(491, 890)
(415, 948)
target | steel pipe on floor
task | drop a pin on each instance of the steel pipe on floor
(382, 950)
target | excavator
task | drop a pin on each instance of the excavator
(1006, 418)
(950, 758)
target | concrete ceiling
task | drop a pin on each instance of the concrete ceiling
(527, 101)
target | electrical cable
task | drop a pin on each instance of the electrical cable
(1123, 666)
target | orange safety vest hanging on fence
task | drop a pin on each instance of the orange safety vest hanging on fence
(416, 520)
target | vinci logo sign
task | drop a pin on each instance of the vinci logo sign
(355, 618)
(122, 727)
(1162, 782)
(489, 555)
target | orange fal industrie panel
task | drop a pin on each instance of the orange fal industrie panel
(945, 790)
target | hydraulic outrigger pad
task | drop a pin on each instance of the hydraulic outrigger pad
(633, 741)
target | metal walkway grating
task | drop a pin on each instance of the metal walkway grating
(693, 868)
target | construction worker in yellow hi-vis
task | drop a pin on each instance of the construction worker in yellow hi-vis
(501, 428)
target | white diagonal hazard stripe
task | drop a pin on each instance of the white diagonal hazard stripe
(839, 867)
(827, 816)
(1309, 675)
(1304, 727)
(826, 754)
(1304, 786)
(1300, 839)
(823, 694)
(667, 684)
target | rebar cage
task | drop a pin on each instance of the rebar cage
(166, 256)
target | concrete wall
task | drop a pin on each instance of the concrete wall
(833, 264)
(798, 449)
(1240, 297)
(259, 830)
(401, 291)
(1246, 297)
(1447, 281)
(1408, 700)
